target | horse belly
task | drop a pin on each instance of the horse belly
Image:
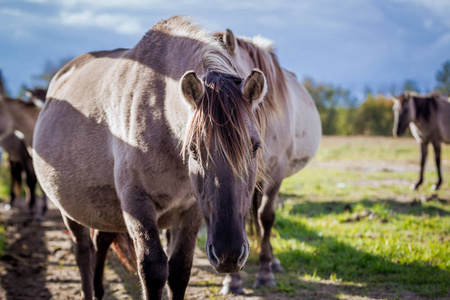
(75, 168)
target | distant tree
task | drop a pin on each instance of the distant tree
(325, 102)
(331, 102)
(374, 116)
(411, 86)
(3, 91)
(443, 79)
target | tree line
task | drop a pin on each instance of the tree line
(340, 112)
(343, 114)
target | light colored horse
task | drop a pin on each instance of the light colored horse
(428, 117)
(129, 139)
(290, 143)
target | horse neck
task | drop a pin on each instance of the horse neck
(24, 118)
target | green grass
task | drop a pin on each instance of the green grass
(361, 226)
(4, 194)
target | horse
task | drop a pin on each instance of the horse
(428, 120)
(163, 135)
(37, 96)
(18, 115)
(18, 119)
(20, 161)
(290, 143)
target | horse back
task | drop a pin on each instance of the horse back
(443, 119)
(293, 138)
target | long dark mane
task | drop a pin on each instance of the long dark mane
(222, 119)
(264, 58)
(425, 104)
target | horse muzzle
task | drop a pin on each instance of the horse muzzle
(227, 260)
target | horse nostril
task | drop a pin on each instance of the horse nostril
(243, 256)
(213, 255)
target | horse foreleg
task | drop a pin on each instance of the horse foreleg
(31, 183)
(423, 158)
(84, 250)
(437, 158)
(16, 180)
(102, 241)
(232, 284)
(182, 247)
(44, 203)
(266, 218)
(140, 218)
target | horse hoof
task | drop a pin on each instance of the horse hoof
(434, 188)
(39, 219)
(264, 282)
(236, 290)
(277, 268)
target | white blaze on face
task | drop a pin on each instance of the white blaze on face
(396, 109)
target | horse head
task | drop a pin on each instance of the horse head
(223, 138)
(6, 121)
(404, 113)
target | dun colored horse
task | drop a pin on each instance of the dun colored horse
(153, 137)
(290, 142)
(428, 117)
(18, 119)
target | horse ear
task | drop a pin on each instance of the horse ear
(229, 40)
(191, 88)
(255, 87)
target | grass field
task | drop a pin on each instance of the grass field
(348, 226)
(350, 220)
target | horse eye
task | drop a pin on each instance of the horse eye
(193, 151)
(255, 149)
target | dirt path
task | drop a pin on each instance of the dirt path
(39, 264)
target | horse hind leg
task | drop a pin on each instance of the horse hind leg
(437, 158)
(84, 251)
(102, 241)
(44, 203)
(31, 184)
(16, 180)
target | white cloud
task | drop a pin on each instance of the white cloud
(120, 23)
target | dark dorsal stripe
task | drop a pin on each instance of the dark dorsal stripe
(425, 106)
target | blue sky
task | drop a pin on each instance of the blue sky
(349, 43)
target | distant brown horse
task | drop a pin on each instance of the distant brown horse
(18, 115)
(20, 161)
(37, 96)
(153, 137)
(18, 119)
(428, 117)
(290, 142)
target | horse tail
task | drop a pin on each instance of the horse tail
(123, 247)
